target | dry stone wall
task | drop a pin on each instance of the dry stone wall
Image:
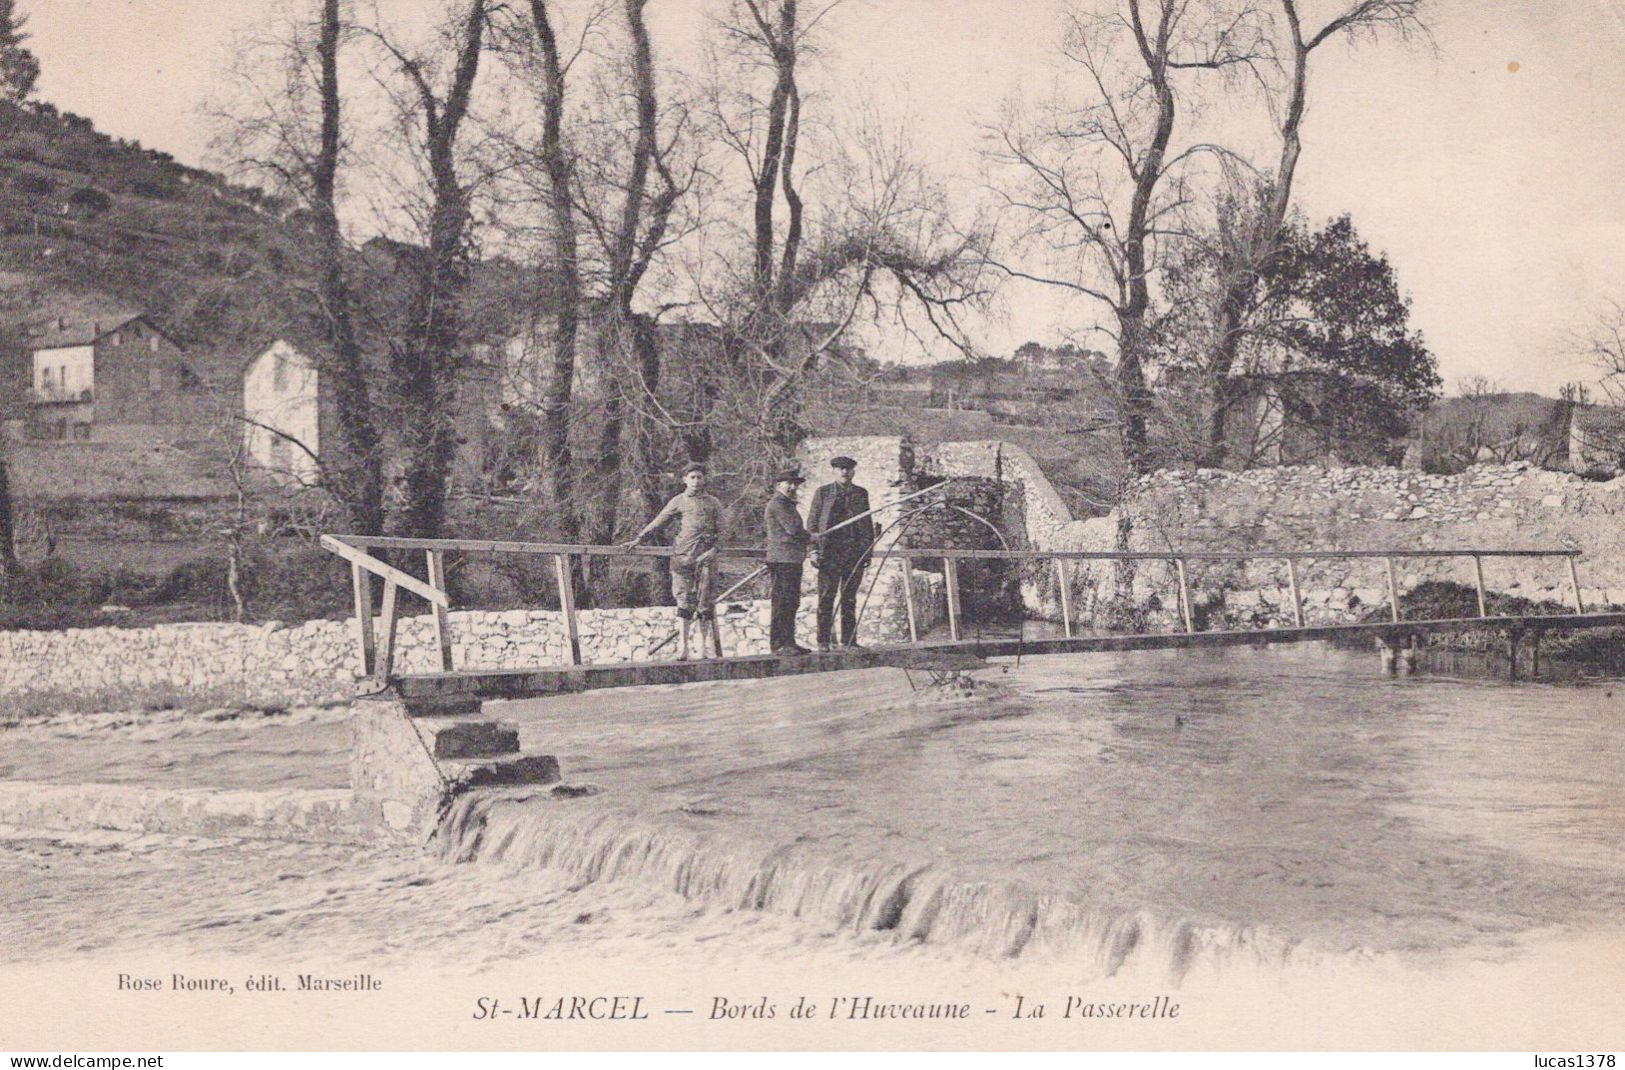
(1295, 508)
(316, 662)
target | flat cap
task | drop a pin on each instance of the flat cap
(842, 462)
(788, 475)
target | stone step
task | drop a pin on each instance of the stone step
(502, 772)
(471, 739)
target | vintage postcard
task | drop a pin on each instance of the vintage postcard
(812, 525)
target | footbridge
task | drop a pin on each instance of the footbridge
(436, 715)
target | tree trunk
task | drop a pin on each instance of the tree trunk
(554, 454)
(360, 462)
(8, 529)
(1132, 333)
(431, 359)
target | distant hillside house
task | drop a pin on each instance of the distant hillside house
(282, 409)
(110, 379)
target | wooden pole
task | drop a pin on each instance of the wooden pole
(1478, 574)
(950, 574)
(1292, 582)
(1574, 582)
(386, 627)
(1061, 578)
(908, 600)
(442, 627)
(361, 582)
(1184, 595)
(567, 604)
(1393, 591)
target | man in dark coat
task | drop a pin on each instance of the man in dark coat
(787, 542)
(841, 556)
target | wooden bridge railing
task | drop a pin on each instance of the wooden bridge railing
(377, 646)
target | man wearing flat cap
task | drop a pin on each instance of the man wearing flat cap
(787, 541)
(840, 556)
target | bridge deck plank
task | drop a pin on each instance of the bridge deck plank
(932, 654)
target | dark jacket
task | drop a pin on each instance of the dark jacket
(787, 537)
(831, 504)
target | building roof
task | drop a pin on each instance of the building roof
(83, 324)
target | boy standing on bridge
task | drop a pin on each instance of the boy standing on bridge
(694, 555)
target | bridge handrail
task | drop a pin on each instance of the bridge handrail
(377, 647)
(381, 542)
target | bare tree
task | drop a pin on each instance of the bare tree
(564, 270)
(1101, 185)
(1602, 347)
(878, 234)
(1245, 251)
(286, 124)
(430, 355)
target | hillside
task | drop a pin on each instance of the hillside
(85, 214)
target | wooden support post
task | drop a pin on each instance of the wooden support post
(950, 575)
(386, 630)
(361, 582)
(1478, 574)
(1393, 591)
(1574, 582)
(442, 627)
(1534, 654)
(567, 604)
(1514, 640)
(908, 600)
(1184, 596)
(1061, 579)
(1292, 583)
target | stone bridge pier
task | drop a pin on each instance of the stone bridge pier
(410, 757)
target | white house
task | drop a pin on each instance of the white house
(282, 413)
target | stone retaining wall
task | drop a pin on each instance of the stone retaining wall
(1294, 508)
(316, 662)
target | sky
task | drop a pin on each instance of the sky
(1489, 166)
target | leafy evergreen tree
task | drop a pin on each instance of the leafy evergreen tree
(19, 68)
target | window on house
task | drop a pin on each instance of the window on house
(279, 373)
(45, 379)
(81, 432)
(118, 338)
(154, 343)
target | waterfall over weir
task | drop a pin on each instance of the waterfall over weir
(1156, 815)
(911, 903)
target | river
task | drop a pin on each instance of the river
(1174, 817)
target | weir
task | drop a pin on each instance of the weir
(421, 740)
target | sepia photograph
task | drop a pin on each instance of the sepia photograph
(812, 525)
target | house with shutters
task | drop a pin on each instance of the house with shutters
(109, 376)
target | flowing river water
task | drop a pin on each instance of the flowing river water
(1169, 815)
